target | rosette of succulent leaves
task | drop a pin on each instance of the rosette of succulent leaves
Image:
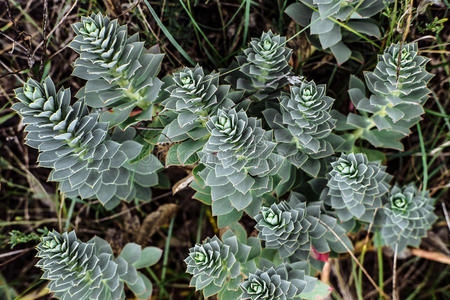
(398, 87)
(294, 227)
(191, 96)
(263, 68)
(303, 127)
(233, 267)
(120, 72)
(86, 160)
(355, 187)
(78, 270)
(408, 216)
(239, 164)
(335, 21)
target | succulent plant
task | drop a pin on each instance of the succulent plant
(409, 214)
(86, 161)
(193, 96)
(238, 159)
(120, 72)
(264, 65)
(303, 128)
(326, 18)
(399, 89)
(295, 226)
(283, 282)
(79, 270)
(216, 264)
(356, 187)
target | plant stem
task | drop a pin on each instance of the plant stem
(166, 256)
(380, 263)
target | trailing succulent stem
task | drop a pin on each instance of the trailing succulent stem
(120, 72)
(399, 89)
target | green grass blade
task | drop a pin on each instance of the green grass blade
(168, 34)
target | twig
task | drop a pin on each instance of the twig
(355, 259)
(394, 275)
(447, 219)
(56, 27)
(431, 255)
(135, 207)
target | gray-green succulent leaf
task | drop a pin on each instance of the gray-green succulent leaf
(408, 216)
(86, 161)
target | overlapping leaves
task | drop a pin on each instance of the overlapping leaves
(79, 270)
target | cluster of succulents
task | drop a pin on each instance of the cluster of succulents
(236, 163)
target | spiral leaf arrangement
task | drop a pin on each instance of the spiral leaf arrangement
(264, 66)
(193, 96)
(295, 226)
(356, 187)
(304, 126)
(120, 72)
(238, 159)
(399, 89)
(409, 214)
(79, 270)
(86, 161)
(216, 264)
(286, 281)
(328, 16)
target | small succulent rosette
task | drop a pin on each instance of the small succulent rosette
(296, 227)
(121, 74)
(217, 264)
(264, 66)
(78, 270)
(239, 164)
(356, 187)
(399, 89)
(303, 126)
(409, 215)
(192, 96)
(282, 282)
